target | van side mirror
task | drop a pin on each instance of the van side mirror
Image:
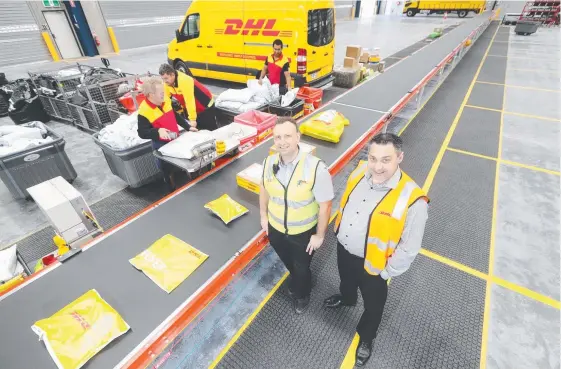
(178, 36)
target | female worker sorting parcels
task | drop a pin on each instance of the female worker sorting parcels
(158, 122)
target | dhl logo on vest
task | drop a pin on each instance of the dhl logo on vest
(253, 27)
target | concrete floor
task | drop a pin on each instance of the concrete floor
(20, 218)
(524, 333)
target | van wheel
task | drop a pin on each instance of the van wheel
(410, 13)
(462, 13)
(182, 67)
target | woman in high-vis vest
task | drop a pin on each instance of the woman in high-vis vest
(295, 205)
(158, 122)
(379, 228)
(195, 100)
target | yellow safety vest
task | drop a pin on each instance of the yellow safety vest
(387, 220)
(292, 210)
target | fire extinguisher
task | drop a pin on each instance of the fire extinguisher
(96, 39)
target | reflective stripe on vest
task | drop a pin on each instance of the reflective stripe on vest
(387, 219)
(292, 210)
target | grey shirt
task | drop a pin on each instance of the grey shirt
(323, 185)
(354, 225)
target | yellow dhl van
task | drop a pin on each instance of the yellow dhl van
(230, 40)
(461, 7)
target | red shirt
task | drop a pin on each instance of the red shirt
(276, 68)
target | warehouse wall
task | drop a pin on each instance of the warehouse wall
(511, 6)
(20, 36)
(344, 9)
(143, 23)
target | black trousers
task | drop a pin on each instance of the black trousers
(374, 290)
(291, 249)
(207, 119)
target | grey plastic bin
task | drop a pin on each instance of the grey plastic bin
(136, 166)
(526, 27)
(25, 169)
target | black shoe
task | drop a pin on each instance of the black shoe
(363, 352)
(335, 301)
(301, 305)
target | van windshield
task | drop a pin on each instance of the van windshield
(321, 27)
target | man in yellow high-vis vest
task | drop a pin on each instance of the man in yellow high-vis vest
(379, 230)
(295, 205)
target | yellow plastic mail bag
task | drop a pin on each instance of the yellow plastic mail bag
(80, 330)
(168, 262)
(226, 208)
(328, 126)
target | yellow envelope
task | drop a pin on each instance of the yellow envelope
(226, 208)
(168, 262)
(80, 330)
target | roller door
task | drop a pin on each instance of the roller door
(20, 37)
(143, 23)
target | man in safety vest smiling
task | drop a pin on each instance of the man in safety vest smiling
(379, 230)
(295, 204)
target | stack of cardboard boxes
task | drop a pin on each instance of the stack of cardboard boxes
(358, 64)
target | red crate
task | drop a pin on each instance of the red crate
(264, 122)
(312, 98)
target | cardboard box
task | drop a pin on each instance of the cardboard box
(354, 51)
(250, 177)
(364, 57)
(303, 146)
(350, 63)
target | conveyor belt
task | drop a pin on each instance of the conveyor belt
(383, 92)
(142, 304)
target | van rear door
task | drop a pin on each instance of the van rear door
(317, 59)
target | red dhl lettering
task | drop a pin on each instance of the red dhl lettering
(255, 26)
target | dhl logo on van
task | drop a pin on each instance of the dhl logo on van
(253, 27)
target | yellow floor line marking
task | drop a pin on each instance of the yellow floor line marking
(454, 264)
(490, 270)
(507, 162)
(494, 279)
(514, 113)
(440, 155)
(522, 87)
(527, 292)
(350, 356)
(247, 322)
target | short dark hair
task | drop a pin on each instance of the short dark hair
(166, 69)
(282, 120)
(388, 138)
(277, 42)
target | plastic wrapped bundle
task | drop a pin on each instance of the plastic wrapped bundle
(346, 77)
(327, 126)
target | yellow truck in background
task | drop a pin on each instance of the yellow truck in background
(230, 40)
(411, 8)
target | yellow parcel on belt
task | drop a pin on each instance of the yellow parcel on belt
(80, 330)
(328, 126)
(168, 262)
(226, 208)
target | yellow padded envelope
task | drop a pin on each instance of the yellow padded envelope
(168, 262)
(80, 330)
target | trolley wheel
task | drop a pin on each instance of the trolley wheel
(411, 13)
(182, 67)
(462, 13)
